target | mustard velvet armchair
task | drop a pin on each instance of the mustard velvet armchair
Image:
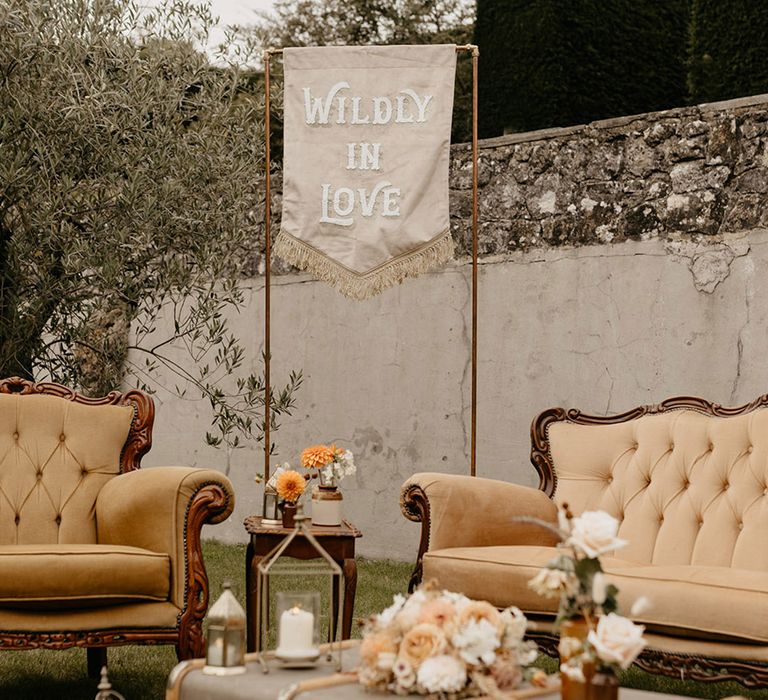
(94, 551)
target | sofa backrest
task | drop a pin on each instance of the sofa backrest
(688, 485)
(56, 453)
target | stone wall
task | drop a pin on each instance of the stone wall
(622, 262)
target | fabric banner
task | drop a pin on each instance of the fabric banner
(367, 134)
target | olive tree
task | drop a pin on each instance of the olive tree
(130, 204)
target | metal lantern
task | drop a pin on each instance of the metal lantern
(298, 598)
(105, 688)
(226, 636)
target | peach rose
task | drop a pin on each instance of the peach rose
(421, 642)
(480, 610)
(438, 612)
(375, 644)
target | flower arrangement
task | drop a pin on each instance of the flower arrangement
(443, 644)
(331, 463)
(576, 577)
(290, 486)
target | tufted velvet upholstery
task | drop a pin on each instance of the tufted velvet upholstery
(688, 488)
(55, 456)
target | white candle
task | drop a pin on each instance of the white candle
(297, 628)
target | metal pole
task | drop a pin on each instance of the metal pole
(267, 263)
(473, 458)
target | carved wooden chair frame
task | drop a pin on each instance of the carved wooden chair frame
(415, 506)
(209, 501)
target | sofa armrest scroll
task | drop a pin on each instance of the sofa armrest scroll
(466, 511)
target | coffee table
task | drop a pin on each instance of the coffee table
(338, 541)
(187, 682)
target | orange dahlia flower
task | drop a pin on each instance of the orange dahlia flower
(290, 485)
(317, 456)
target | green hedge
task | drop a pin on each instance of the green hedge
(559, 62)
(729, 49)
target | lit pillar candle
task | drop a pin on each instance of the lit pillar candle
(297, 628)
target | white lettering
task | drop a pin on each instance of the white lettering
(317, 110)
(342, 102)
(367, 203)
(369, 156)
(382, 110)
(356, 112)
(324, 218)
(401, 117)
(349, 207)
(421, 106)
(391, 207)
(351, 156)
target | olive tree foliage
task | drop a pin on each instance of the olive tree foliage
(352, 22)
(130, 205)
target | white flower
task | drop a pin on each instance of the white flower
(385, 660)
(617, 640)
(477, 642)
(409, 613)
(442, 674)
(387, 615)
(527, 653)
(599, 588)
(550, 583)
(575, 673)
(640, 606)
(569, 647)
(515, 625)
(458, 600)
(404, 674)
(594, 533)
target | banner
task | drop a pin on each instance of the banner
(365, 190)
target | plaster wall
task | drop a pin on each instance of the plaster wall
(602, 327)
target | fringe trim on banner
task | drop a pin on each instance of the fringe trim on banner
(364, 286)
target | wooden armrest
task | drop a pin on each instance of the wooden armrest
(466, 511)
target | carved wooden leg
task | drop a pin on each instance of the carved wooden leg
(350, 585)
(97, 657)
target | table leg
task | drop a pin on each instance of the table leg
(251, 601)
(350, 585)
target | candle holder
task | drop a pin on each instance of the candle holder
(298, 602)
(226, 636)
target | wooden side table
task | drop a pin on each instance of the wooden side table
(338, 541)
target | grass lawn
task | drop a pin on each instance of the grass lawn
(139, 673)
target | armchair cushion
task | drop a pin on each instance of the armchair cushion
(81, 576)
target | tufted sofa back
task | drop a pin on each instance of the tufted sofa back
(55, 455)
(688, 488)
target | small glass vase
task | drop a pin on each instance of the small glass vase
(604, 685)
(575, 629)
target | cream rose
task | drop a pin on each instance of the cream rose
(617, 640)
(480, 610)
(594, 533)
(550, 583)
(421, 642)
(374, 645)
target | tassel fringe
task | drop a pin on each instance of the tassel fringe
(437, 252)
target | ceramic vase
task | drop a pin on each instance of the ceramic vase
(288, 511)
(326, 505)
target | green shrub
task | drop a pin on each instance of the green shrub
(729, 41)
(559, 62)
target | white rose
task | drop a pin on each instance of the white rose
(594, 533)
(617, 640)
(477, 642)
(550, 583)
(442, 674)
(515, 625)
(409, 613)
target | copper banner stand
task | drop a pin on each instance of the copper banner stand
(474, 51)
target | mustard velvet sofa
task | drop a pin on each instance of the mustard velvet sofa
(94, 551)
(688, 481)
